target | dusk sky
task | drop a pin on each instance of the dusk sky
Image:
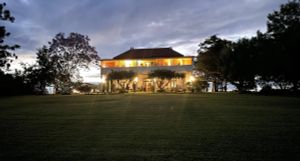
(116, 25)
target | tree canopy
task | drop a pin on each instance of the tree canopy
(283, 27)
(212, 59)
(59, 64)
(6, 55)
(267, 58)
(67, 55)
(240, 65)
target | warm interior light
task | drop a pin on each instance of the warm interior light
(169, 62)
(192, 79)
(146, 63)
(139, 62)
(180, 62)
(103, 79)
(127, 63)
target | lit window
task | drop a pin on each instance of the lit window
(127, 63)
(180, 62)
(192, 79)
(140, 63)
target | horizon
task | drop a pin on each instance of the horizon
(116, 26)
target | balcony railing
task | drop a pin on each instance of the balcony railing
(147, 63)
(147, 69)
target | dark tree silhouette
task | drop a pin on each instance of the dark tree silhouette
(212, 59)
(240, 65)
(10, 84)
(59, 63)
(270, 57)
(42, 74)
(283, 27)
(6, 55)
(67, 55)
(268, 62)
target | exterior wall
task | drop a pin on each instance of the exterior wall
(143, 83)
(112, 63)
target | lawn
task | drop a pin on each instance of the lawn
(142, 127)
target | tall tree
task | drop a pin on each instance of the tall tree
(283, 27)
(268, 62)
(212, 59)
(67, 55)
(6, 55)
(9, 84)
(240, 70)
(41, 74)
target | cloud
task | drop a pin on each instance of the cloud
(25, 58)
(114, 26)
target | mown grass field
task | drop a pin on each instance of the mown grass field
(153, 127)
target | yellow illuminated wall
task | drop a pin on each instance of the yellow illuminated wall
(146, 62)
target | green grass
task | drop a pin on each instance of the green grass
(154, 127)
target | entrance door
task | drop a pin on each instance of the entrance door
(148, 87)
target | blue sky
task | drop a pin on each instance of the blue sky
(116, 25)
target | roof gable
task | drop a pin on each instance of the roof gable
(149, 53)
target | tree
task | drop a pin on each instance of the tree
(123, 78)
(163, 77)
(59, 63)
(6, 55)
(240, 68)
(222, 60)
(283, 27)
(272, 56)
(285, 21)
(268, 62)
(13, 84)
(213, 59)
(200, 85)
(65, 57)
(41, 74)
(10, 84)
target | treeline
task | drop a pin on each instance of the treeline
(57, 65)
(269, 60)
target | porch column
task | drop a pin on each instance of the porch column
(154, 85)
(109, 86)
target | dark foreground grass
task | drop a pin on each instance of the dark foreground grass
(150, 127)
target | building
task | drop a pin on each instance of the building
(142, 62)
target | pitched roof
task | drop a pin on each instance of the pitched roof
(149, 53)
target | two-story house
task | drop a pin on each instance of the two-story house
(143, 61)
